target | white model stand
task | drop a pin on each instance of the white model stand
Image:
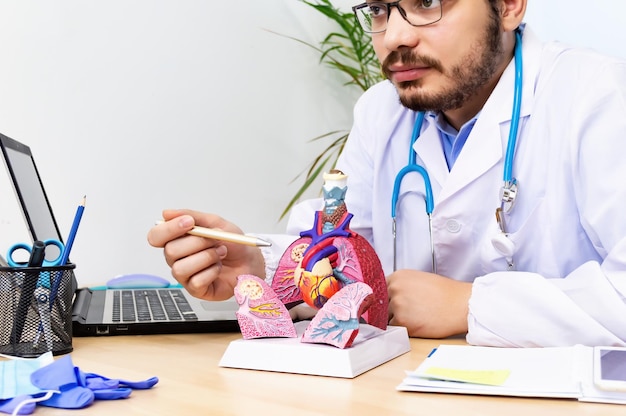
(371, 348)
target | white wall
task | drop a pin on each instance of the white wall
(599, 24)
(147, 104)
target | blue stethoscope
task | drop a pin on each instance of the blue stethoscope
(508, 191)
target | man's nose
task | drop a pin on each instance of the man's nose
(399, 32)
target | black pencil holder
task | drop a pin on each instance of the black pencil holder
(36, 310)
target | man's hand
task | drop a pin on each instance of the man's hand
(207, 268)
(428, 305)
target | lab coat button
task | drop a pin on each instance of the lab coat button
(453, 226)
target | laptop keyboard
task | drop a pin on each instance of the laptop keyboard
(151, 305)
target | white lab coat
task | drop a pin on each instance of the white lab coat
(569, 220)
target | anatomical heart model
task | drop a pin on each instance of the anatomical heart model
(330, 268)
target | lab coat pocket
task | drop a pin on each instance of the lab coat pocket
(526, 246)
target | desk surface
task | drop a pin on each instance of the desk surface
(192, 383)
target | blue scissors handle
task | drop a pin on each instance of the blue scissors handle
(46, 263)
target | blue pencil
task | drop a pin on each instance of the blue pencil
(70, 239)
(68, 247)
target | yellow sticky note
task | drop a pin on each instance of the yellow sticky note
(488, 377)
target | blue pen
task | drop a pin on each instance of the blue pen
(66, 252)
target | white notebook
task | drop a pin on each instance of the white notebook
(557, 372)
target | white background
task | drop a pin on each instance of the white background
(148, 104)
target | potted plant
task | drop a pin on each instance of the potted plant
(348, 51)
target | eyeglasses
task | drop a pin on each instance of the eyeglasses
(373, 16)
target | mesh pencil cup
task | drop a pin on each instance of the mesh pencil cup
(36, 310)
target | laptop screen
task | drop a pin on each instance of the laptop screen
(29, 190)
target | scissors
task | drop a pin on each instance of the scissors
(37, 249)
(40, 288)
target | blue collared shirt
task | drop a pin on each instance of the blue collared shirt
(452, 141)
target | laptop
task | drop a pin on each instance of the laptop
(169, 310)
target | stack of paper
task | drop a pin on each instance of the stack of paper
(530, 372)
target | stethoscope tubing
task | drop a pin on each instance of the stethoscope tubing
(507, 176)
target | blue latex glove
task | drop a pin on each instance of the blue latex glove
(55, 375)
(9, 405)
(61, 376)
(70, 397)
(96, 381)
(80, 389)
(112, 394)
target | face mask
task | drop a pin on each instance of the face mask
(15, 375)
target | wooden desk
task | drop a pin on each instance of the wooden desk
(191, 383)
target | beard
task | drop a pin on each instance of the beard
(467, 78)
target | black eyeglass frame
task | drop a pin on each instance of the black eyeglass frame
(356, 9)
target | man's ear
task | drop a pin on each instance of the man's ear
(512, 13)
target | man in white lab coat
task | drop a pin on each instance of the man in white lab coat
(552, 271)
